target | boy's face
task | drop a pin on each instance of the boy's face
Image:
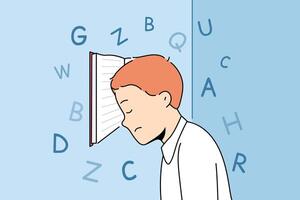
(143, 113)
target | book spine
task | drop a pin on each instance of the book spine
(90, 97)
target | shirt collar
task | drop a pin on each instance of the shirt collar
(168, 148)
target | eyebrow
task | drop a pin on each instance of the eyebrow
(124, 101)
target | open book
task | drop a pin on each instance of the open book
(105, 115)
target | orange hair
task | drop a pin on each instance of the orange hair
(152, 74)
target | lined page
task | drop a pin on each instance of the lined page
(109, 115)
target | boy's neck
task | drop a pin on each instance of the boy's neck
(173, 119)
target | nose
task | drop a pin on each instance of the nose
(124, 122)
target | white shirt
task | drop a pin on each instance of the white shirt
(192, 166)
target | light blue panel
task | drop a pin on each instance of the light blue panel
(36, 103)
(261, 84)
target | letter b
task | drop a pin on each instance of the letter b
(149, 24)
(76, 109)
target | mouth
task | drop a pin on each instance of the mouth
(137, 128)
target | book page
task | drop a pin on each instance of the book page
(106, 114)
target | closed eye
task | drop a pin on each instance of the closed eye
(129, 111)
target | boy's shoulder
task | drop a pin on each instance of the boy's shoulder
(195, 136)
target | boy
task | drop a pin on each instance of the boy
(148, 91)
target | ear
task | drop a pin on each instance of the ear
(166, 98)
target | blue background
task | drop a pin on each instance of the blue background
(260, 84)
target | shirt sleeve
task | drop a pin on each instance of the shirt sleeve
(202, 173)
